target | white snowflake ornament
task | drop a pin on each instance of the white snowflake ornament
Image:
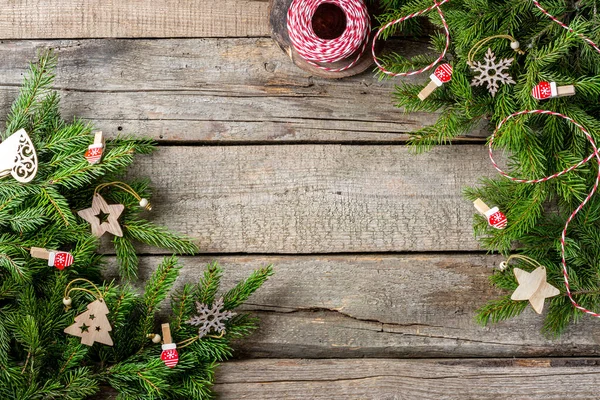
(210, 318)
(491, 72)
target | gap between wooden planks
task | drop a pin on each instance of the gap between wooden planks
(410, 306)
(216, 91)
(133, 18)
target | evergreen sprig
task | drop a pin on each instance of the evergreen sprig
(537, 145)
(37, 359)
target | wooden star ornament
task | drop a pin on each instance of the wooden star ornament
(533, 287)
(103, 217)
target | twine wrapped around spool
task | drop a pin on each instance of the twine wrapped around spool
(328, 38)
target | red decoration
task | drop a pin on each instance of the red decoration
(94, 153)
(496, 218)
(60, 259)
(543, 91)
(169, 354)
(443, 73)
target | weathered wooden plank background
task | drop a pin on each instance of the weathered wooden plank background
(377, 273)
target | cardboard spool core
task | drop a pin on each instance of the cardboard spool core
(328, 22)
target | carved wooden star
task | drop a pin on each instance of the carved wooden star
(533, 287)
(111, 212)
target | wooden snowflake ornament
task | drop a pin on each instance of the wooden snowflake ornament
(491, 72)
(103, 217)
(533, 287)
(92, 326)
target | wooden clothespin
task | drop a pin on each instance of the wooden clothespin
(547, 90)
(169, 353)
(95, 150)
(494, 216)
(441, 75)
(58, 259)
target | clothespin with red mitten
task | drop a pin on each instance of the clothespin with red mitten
(95, 150)
(58, 259)
(547, 90)
(494, 216)
(441, 75)
(169, 353)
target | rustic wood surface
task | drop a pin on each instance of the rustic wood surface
(214, 90)
(523, 379)
(373, 305)
(132, 18)
(317, 198)
(377, 274)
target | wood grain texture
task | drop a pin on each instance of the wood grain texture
(316, 198)
(214, 91)
(523, 379)
(132, 18)
(381, 306)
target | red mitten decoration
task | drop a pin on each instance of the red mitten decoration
(94, 153)
(169, 355)
(496, 218)
(60, 259)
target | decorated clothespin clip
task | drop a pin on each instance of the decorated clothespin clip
(548, 90)
(494, 216)
(18, 157)
(169, 353)
(58, 259)
(441, 75)
(95, 150)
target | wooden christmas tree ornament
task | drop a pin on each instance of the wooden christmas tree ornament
(92, 325)
(441, 75)
(494, 216)
(103, 217)
(329, 24)
(18, 157)
(533, 287)
(58, 259)
(95, 150)
(548, 90)
(169, 353)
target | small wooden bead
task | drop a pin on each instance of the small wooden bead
(156, 338)
(144, 203)
(67, 301)
(514, 45)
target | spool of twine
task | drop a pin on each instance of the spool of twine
(324, 32)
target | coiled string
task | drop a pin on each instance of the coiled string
(436, 5)
(316, 50)
(556, 175)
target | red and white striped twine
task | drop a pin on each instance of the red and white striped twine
(571, 168)
(315, 50)
(435, 5)
(583, 37)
